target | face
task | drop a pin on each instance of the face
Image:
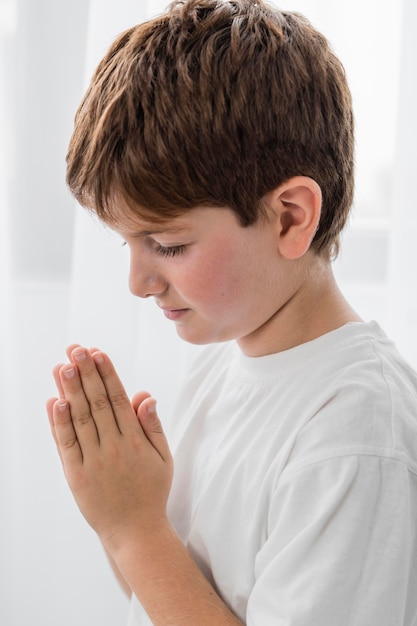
(214, 279)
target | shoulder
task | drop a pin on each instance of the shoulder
(365, 401)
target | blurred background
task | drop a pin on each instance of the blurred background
(63, 277)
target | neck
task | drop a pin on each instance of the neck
(315, 307)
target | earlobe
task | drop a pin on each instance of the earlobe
(297, 207)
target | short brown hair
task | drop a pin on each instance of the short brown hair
(215, 102)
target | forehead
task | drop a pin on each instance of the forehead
(139, 220)
(134, 220)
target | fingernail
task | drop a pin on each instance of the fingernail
(79, 354)
(69, 372)
(151, 408)
(62, 406)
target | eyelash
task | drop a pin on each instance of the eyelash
(167, 251)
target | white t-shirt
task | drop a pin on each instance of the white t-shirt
(295, 486)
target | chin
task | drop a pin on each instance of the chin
(198, 338)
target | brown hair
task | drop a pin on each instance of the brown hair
(215, 103)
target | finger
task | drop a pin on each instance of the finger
(49, 410)
(57, 379)
(152, 428)
(57, 368)
(119, 400)
(138, 398)
(67, 441)
(101, 407)
(79, 407)
(71, 348)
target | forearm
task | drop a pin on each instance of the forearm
(168, 583)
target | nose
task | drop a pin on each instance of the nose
(145, 280)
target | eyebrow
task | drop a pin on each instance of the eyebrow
(156, 231)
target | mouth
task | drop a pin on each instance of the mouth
(173, 314)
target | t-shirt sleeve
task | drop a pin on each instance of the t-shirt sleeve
(340, 546)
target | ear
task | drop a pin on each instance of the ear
(297, 208)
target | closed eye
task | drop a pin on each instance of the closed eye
(169, 250)
(164, 250)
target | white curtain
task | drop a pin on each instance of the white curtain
(402, 261)
(63, 277)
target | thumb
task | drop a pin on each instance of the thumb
(152, 427)
(138, 398)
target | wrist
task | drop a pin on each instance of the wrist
(143, 534)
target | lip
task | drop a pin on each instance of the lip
(174, 314)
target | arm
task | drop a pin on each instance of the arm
(119, 467)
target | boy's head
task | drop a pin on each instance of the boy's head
(215, 103)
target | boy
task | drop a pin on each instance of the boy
(217, 139)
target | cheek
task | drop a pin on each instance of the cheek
(219, 277)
